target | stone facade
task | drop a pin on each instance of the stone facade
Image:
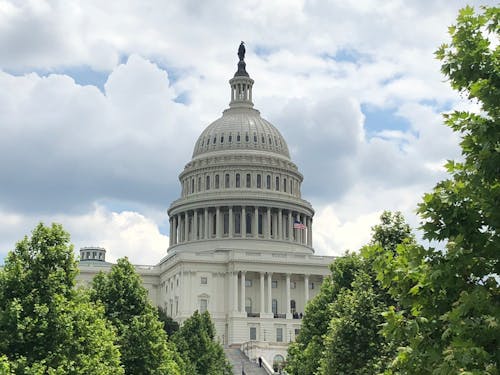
(241, 242)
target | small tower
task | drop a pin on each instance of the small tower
(93, 253)
(241, 83)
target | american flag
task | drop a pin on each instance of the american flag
(298, 225)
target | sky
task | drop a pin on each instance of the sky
(101, 103)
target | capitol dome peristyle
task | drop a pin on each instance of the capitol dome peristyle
(241, 184)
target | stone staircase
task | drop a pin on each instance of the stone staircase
(239, 362)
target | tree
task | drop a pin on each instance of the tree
(170, 326)
(195, 341)
(450, 297)
(46, 326)
(141, 337)
(340, 329)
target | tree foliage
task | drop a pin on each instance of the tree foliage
(195, 341)
(450, 297)
(340, 329)
(46, 326)
(170, 326)
(141, 337)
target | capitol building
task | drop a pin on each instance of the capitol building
(241, 244)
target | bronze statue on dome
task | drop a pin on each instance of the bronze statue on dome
(241, 51)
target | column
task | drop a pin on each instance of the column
(288, 312)
(290, 226)
(310, 231)
(174, 233)
(255, 230)
(206, 223)
(242, 294)
(280, 224)
(231, 222)
(268, 224)
(195, 225)
(306, 290)
(217, 223)
(170, 232)
(274, 224)
(269, 292)
(235, 291)
(262, 300)
(186, 226)
(243, 222)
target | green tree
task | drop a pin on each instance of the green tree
(141, 337)
(450, 297)
(170, 326)
(340, 330)
(196, 343)
(46, 325)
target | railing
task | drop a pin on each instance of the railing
(253, 315)
(267, 367)
(279, 316)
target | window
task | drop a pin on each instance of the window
(230, 139)
(203, 280)
(207, 185)
(274, 284)
(248, 305)
(297, 331)
(274, 306)
(259, 181)
(291, 186)
(248, 283)
(260, 224)
(222, 138)
(293, 308)
(215, 139)
(279, 334)
(246, 137)
(277, 185)
(199, 183)
(192, 185)
(226, 223)
(293, 284)
(284, 185)
(254, 138)
(237, 223)
(237, 180)
(216, 181)
(176, 306)
(226, 181)
(203, 305)
(238, 138)
(263, 139)
(249, 180)
(268, 182)
(177, 282)
(249, 223)
(253, 333)
(311, 285)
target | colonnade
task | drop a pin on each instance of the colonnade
(241, 222)
(239, 298)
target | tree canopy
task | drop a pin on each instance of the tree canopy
(46, 325)
(195, 341)
(450, 296)
(143, 342)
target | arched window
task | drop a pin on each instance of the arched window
(226, 223)
(249, 180)
(237, 180)
(207, 185)
(199, 183)
(260, 224)
(230, 139)
(215, 139)
(268, 182)
(246, 137)
(216, 181)
(277, 185)
(259, 181)
(226, 182)
(249, 223)
(238, 138)
(284, 185)
(278, 360)
(222, 138)
(248, 305)
(192, 185)
(254, 138)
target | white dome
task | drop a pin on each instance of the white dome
(241, 129)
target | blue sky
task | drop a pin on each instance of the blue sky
(101, 104)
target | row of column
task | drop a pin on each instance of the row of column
(242, 294)
(229, 222)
